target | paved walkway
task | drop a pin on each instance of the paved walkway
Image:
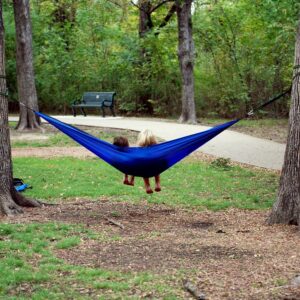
(229, 144)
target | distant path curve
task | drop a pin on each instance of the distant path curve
(237, 146)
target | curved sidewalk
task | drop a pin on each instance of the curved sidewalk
(229, 144)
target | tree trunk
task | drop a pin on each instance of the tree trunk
(25, 71)
(145, 21)
(186, 60)
(145, 26)
(287, 207)
(10, 200)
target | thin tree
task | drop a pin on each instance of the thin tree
(286, 210)
(186, 60)
(10, 200)
(146, 26)
(25, 72)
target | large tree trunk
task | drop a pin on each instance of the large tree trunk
(186, 60)
(287, 207)
(25, 71)
(10, 200)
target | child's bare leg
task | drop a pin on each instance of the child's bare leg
(131, 181)
(125, 181)
(147, 186)
(157, 183)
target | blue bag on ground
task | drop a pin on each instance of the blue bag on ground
(19, 185)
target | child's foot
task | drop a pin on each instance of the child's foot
(149, 191)
(126, 182)
(131, 183)
(158, 189)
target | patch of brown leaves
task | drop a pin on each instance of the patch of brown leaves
(229, 255)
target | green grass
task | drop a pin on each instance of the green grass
(12, 124)
(190, 183)
(54, 140)
(30, 270)
(28, 263)
(58, 139)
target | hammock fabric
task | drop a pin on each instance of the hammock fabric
(139, 161)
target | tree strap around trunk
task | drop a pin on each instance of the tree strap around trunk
(21, 103)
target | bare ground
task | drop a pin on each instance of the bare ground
(231, 254)
(277, 133)
(228, 255)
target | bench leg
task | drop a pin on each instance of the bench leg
(113, 111)
(83, 111)
(103, 112)
(74, 111)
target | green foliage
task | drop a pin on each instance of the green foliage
(243, 55)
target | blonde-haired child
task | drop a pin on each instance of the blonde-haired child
(122, 141)
(147, 138)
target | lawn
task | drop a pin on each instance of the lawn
(104, 240)
(191, 183)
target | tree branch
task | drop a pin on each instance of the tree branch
(115, 3)
(137, 6)
(168, 16)
(159, 5)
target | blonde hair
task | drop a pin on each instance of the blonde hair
(146, 138)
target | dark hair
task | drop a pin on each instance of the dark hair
(121, 141)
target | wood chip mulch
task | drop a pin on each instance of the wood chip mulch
(230, 254)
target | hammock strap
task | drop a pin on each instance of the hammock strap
(21, 103)
(251, 112)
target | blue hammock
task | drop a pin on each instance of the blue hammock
(139, 161)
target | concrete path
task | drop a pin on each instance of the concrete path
(229, 144)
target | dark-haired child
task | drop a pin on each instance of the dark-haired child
(123, 142)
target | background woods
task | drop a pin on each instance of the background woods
(243, 53)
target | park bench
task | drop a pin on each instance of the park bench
(99, 100)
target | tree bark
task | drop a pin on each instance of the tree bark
(186, 60)
(286, 210)
(10, 200)
(145, 20)
(146, 8)
(25, 71)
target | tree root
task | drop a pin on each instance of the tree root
(25, 202)
(9, 207)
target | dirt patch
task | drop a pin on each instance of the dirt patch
(275, 133)
(46, 131)
(79, 152)
(229, 255)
